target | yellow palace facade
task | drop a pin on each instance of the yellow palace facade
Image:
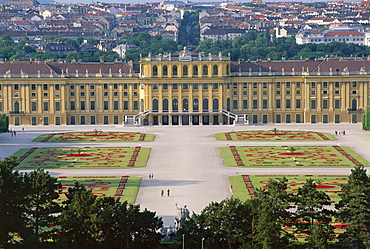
(185, 89)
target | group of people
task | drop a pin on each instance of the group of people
(13, 133)
(168, 192)
(151, 176)
(341, 132)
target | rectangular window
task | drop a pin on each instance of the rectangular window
(174, 86)
(115, 119)
(298, 118)
(255, 104)
(288, 118)
(313, 84)
(33, 121)
(125, 94)
(115, 86)
(33, 106)
(337, 118)
(278, 118)
(278, 103)
(337, 84)
(46, 106)
(235, 85)
(235, 93)
(45, 95)
(313, 103)
(72, 94)
(195, 86)
(125, 86)
(298, 103)
(287, 92)
(1, 106)
(106, 120)
(255, 119)
(82, 87)
(313, 93)
(287, 103)
(337, 92)
(245, 92)
(255, 92)
(105, 86)
(313, 119)
(298, 84)
(325, 119)
(16, 87)
(105, 105)
(278, 92)
(354, 84)
(265, 119)
(72, 86)
(215, 86)
(92, 94)
(325, 92)
(264, 103)
(82, 120)
(92, 105)
(82, 94)
(245, 104)
(325, 84)
(45, 87)
(57, 120)
(245, 85)
(73, 120)
(136, 105)
(337, 104)
(264, 92)
(92, 87)
(73, 107)
(33, 87)
(92, 119)
(125, 105)
(165, 86)
(186, 86)
(115, 105)
(287, 84)
(82, 105)
(235, 104)
(324, 104)
(105, 94)
(135, 85)
(264, 85)
(57, 106)
(277, 84)
(254, 85)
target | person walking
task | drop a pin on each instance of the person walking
(162, 193)
(168, 192)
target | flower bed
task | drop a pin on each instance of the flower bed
(270, 136)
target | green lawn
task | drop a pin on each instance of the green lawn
(280, 135)
(281, 156)
(95, 137)
(104, 186)
(83, 157)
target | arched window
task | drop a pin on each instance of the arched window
(155, 71)
(205, 70)
(228, 104)
(354, 105)
(165, 71)
(16, 106)
(175, 105)
(185, 70)
(205, 104)
(174, 70)
(195, 104)
(215, 105)
(195, 70)
(155, 105)
(215, 70)
(185, 104)
(165, 105)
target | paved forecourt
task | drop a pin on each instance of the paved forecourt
(187, 161)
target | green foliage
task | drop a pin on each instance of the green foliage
(366, 119)
(353, 209)
(189, 31)
(4, 123)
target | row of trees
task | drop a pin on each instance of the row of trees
(366, 119)
(32, 215)
(258, 223)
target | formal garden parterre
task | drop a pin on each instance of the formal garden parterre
(95, 137)
(274, 135)
(83, 157)
(122, 188)
(243, 188)
(289, 156)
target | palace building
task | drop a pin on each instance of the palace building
(185, 88)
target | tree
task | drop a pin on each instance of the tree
(366, 119)
(311, 205)
(123, 225)
(41, 202)
(12, 199)
(4, 123)
(78, 219)
(227, 224)
(273, 206)
(353, 209)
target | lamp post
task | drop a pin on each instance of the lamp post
(202, 243)
(183, 241)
